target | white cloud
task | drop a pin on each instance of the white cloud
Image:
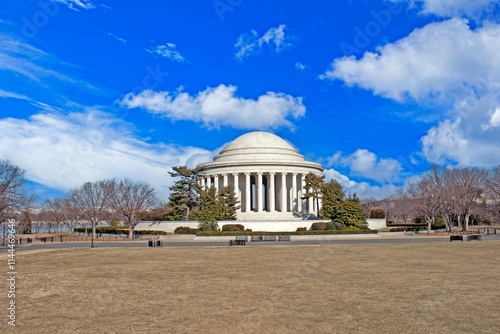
(495, 118)
(219, 106)
(300, 66)
(366, 164)
(434, 61)
(453, 8)
(119, 39)
(77, 4)
(362, 189)
(450, 67)
(64, 151)
(250, 44)
(462, 143)
(12, 95)
(168, 50)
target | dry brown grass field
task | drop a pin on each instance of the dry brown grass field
(368, 288)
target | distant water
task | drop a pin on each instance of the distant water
(44, 228)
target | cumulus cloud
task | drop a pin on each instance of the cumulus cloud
(453, 8)
(64, 151)
(169, 51)
(438, 59)
(219, 106)
(450, 67)
(362, 189)
(366, 164)
(250, 44)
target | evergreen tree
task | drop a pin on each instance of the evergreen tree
(314, 188)
(210, 210)
(184, 193)
(228, 203)
(333, 198)
(351, 214)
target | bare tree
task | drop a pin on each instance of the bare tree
(493, 193)
(401, 208)
(426, 195)
(129, 198)
(93, 198)
(12, 191)
(55, 211)
(462, 193)
(72, 214)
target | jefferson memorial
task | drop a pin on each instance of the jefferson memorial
(268, 175)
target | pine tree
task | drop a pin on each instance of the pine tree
(228, 203)
(314, 187)
(184, 193)
(351, 214)
(333, 198)
(210, 210)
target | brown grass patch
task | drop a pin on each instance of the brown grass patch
(371, 288)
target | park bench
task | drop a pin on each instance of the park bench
(456, 237)
(239, 240)
(474, 237)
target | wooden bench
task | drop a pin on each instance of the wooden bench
(456, 237)
(474, 237)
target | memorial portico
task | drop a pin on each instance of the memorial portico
(268, 175)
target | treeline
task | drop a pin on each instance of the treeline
(455, 197)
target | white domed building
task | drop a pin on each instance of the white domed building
(267, 174)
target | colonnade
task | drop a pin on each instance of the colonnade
(265, 191)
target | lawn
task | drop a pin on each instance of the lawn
(369, 288)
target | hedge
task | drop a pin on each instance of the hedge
(185, 230)
(233, 227)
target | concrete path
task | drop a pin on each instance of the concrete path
(224, 243)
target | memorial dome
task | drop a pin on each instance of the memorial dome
(259, 146)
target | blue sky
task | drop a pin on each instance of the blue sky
(376, 91)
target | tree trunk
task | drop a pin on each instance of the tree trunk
(93, 231)
(130, 233)
(466, 222)
(429, 224)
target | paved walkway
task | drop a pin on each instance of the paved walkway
(224, 243)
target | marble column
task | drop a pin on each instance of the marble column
(272, 194)
(258, 188)
(310, 204)
(294, 192)
(283, 193)
(303, 193)
(224, 180)
(216, 183)
(208, 182)
(237, 191)
(202, 183)
(247, 192)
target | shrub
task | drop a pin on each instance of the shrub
(299, 229)
(318, 226)
(330, 226)
(233, 227)
(377, 213)
(185, 230)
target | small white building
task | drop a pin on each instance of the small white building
(267, 174)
